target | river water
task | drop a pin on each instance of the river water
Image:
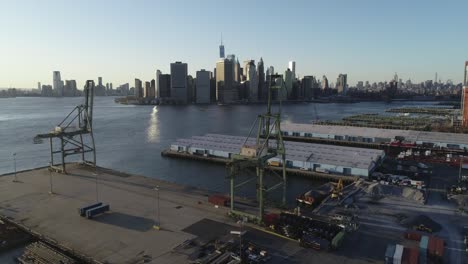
(130, 138)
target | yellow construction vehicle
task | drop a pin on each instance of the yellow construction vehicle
(338, 190)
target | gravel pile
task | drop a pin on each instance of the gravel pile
(377, 189)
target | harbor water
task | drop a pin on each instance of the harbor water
(130, 138)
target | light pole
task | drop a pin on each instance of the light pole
(157, 220)
(14, 161)
(97, 190)
(50, 179)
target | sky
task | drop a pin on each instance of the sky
(121, 40)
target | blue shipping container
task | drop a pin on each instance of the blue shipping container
(389, 253)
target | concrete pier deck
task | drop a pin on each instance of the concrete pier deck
(123, 235)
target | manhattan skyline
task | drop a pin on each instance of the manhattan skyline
(126, 40)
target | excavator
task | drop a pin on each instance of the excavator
(338, 190)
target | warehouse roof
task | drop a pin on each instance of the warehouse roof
(297, 151)
(410, 135)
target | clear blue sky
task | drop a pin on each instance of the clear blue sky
(123, 40)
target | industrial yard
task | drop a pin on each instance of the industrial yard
(126, 234)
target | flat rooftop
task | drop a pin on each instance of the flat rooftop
(298, 151)
(410, 135)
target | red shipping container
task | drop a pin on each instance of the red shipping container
(219, 200)
(410, 256)
(435, 247)
(413, 235)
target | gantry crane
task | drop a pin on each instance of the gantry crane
(76, 125)
(254, 154)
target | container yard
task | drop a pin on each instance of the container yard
(325, 159)
(421, 123)
(378, 136)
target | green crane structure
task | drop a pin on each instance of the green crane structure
(268, 144)
(77, 124)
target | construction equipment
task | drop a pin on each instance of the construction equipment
(269, 144)
(338, 190)
(76, 125)
(423, 228)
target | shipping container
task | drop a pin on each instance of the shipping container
(413, 235)
(389, 253)
(219, 200)
(435, 248)
(410, 256)
(398, 254)
(423, 244)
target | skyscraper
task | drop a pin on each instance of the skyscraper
(342, 83)
(225, 90)
(237, 71)
(100, 90)
(39, 87)
(157, 90)
(138, 89)
(325, 83)
(262, 93)
(57, 83)
(292, 67)
(288, 82)
(464, 103)
(221, 49)
(70, 88)
(164, 86)
(203, 87)
(251, 78)
(179, 92)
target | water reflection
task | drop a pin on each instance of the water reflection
(153, 133)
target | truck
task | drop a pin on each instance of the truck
(274, 163)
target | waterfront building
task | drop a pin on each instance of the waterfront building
(306, 88)
(179, 91)
(138, 89)
(164, 86)
(203, 87)
(157, 90)
(342, 83)
(100, 89)
(70, 88)
(47, 90)
(237, 71)
(225, 89)
(57, 83)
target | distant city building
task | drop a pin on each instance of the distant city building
(225, 90)
(288, 82)
(251, 77)
(190, 89)
(237, 71)
(149, 91)
(39, 87)
(306, 88)
(360, 85)
(47, 90)
(157, 90)
(164, 86)
(138, 89)
(100, 89)
(292, 67)
(221, 49)
(325, 83)
(464, 103)
(179, 91)
(272, 70)
(57, 83)
(203, 87)
(342, 83)
(262, 92)
(70, 88)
